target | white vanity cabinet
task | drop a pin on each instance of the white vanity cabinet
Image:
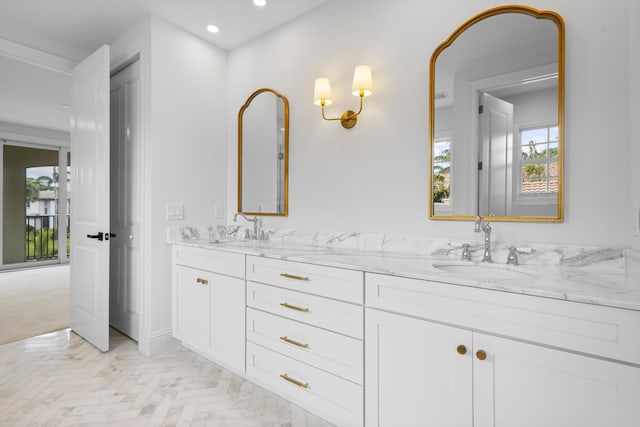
(305, 327)
(209, 303)
(447, 355)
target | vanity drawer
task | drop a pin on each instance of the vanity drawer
(335, 353)
(333, 398)
(589, 328)
(345, 318)
(230, 264)
(330, 282)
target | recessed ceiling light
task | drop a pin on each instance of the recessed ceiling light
(212, 29)
(260, 3)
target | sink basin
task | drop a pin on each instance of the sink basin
(485, 272)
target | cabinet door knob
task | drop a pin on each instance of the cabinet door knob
(461, 349)
(202, 281)
(481, 354)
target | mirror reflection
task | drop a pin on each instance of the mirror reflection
(263, 154)
(496, 96)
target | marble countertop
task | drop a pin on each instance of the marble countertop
(618, 288)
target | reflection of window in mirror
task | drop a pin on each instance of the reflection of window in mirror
(442, 173)
(539, 163)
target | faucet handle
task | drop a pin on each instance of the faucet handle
(466, 252)
(512, 258)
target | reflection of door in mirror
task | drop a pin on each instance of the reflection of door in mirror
(480, 163)
(496, 156)
(519, 150)
(263, 154)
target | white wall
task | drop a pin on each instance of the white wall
(184, 90)
(32, 95)
(186, 145)
(374, 178)
(634, 114)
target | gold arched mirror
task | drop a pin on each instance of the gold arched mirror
(496, 95)
(263, 154)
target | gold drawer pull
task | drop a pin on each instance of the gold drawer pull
(481, 354)
(293, 307)
(294, 342)
(292, 276)
(462, 350)
(296, 382)
(202, 281)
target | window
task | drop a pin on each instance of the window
(32, 232)
(538, 161)
(442, 171)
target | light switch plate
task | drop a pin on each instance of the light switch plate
(175, 211)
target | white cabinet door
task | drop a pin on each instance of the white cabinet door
(526, 385)
(415, 374)
(228, 320)
(192, 307)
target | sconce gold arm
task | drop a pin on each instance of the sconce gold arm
(349, 118)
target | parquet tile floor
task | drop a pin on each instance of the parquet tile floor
(59, 379)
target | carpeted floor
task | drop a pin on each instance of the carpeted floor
(33, 302)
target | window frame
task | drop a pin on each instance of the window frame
(535, 198)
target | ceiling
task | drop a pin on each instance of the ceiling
(36, 92)
(74, 28)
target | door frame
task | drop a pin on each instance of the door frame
(126, 236)
(61, 146)
(123, 55)
(122, 52)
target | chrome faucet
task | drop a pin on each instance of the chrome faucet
(483, 225)
(257, 224)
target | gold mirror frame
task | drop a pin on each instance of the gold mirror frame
(539, 14)
(285, 190)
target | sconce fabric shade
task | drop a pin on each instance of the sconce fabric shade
(362, 81)
(322, 91)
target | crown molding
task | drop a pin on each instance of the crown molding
(35, 57)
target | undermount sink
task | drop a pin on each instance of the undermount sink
(484, 272)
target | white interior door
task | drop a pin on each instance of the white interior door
(496, 136)
(89, 304)
(124, 300)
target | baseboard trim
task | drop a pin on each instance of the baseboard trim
(160, 342)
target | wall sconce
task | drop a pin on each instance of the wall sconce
(361, 87)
